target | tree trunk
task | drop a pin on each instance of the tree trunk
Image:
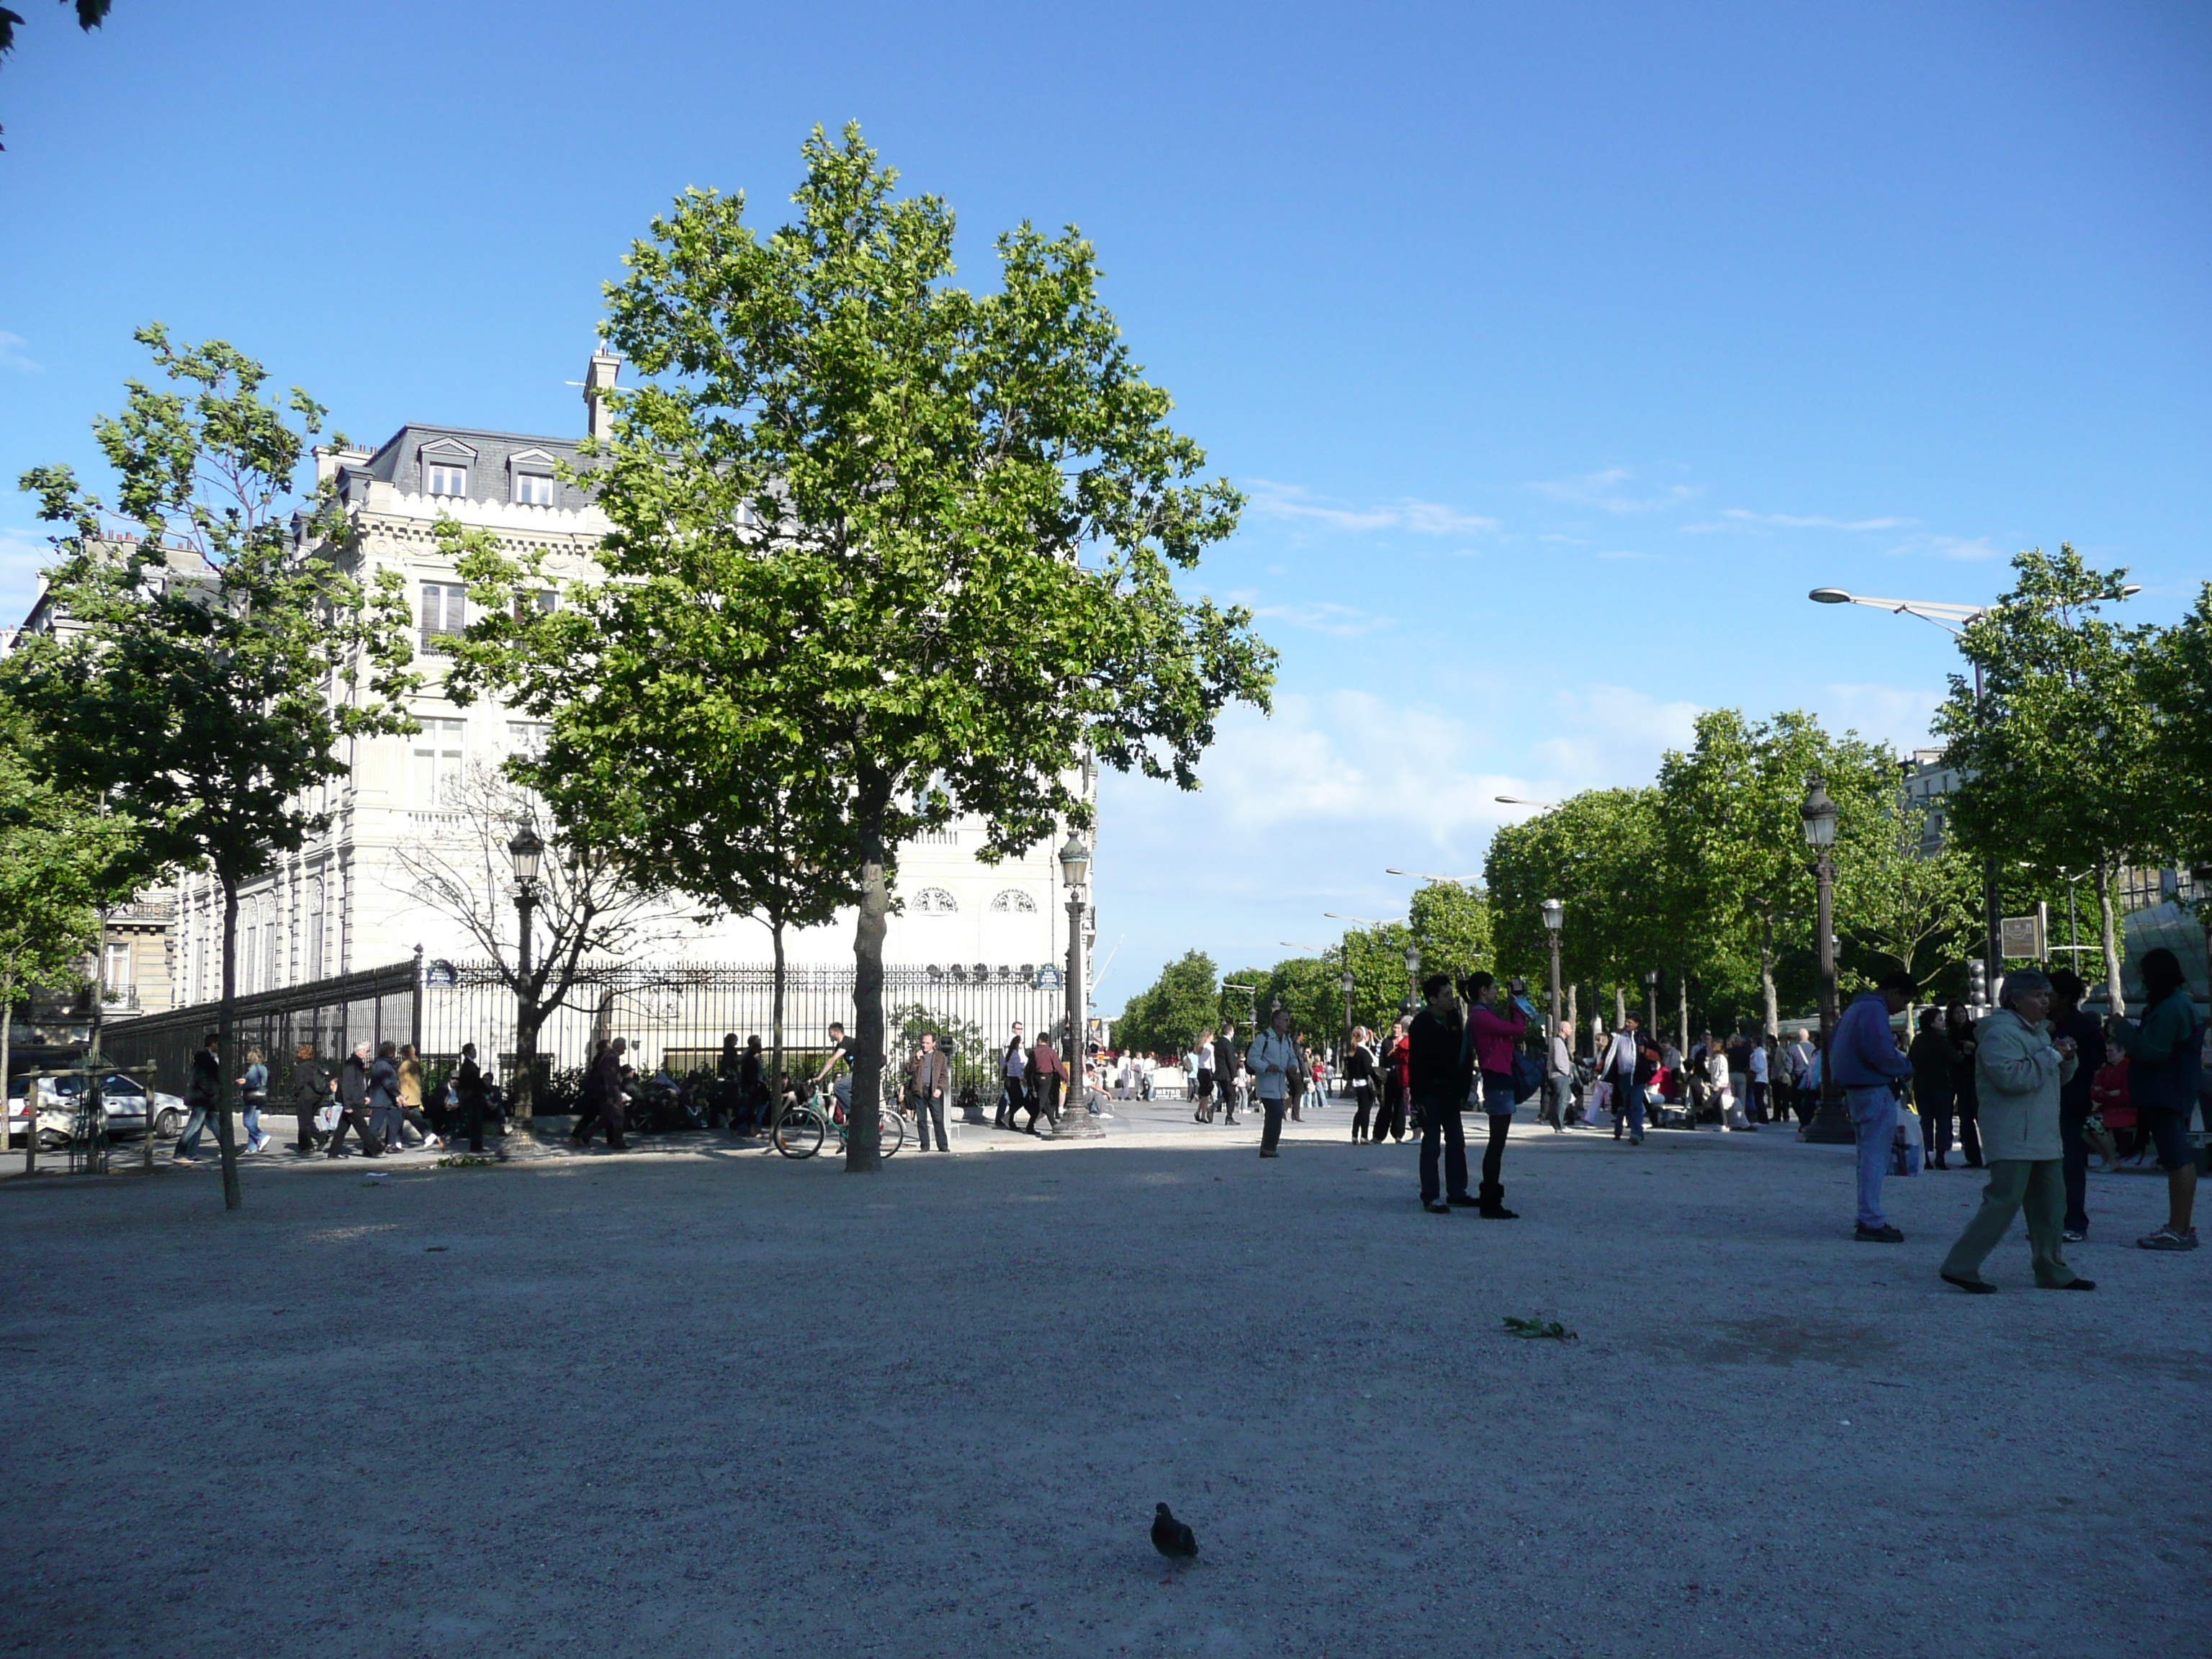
(775, 1022)
(231, 1197)
(1574, 1017)
(1682, 1009)
(1767, 975)
(30, 1094)
(1620, 1007)
(862, 1149)
(2110, 934)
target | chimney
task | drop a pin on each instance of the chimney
(599, 380)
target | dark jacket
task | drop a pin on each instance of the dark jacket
(383, 1084)
(1226, 1058)
(929, 1073)
(2089, 1036)
(1441, 1066)
(353, 1082)
(606, 1082)
(311, 1084)
(206, 1083)
(1934, 1063)
(468, 1082)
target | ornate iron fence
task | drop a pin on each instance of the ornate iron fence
(675, 1015)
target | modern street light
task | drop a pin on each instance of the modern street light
(1516, 800)
(1075, 1120)
(1953, 619)
(1449, 881)
(1555, 917)
(528, 853)
(1413, 978)
(1818, 815)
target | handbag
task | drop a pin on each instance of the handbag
(1907, 1153)
(327, 1119)
(1528, 1076)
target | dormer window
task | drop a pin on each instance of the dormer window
(534, 488)
(447, 478)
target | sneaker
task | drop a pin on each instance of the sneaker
(2073, 1235)
(1884, 1233)
(2167, 1239)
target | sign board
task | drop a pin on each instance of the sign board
(1047, 979)
(2021, 938)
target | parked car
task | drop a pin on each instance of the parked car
(123, 1098)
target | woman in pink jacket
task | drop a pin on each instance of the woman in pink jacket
(1494, 1037)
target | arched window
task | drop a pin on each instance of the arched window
(1014, 902)
(934, 902)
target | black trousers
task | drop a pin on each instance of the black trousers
(1970, 1128)
(1273, 1132)
(1390, 1116)
(928, 1108)
(1009, 1102)
(1441, 1127)
(306, 1110)
(1935, 1108)
(1364, 1095)
(611, 1113)
(1044, 1103)
(355, 1118)
(2077, 1145)
(1493, 1154)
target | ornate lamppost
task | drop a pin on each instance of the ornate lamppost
(1555, 917)
(1651, 999)
(1412, 981)
(1076, 1122)
(1831, 1123)
(527, 852)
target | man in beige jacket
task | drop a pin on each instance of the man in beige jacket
(2018, 1070)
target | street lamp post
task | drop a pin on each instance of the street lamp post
(1555, 917)
(1347, 1014)
(1817, 814)
(1413, 980)
(1651, 1000)
(527, 852)
(1075, 1120)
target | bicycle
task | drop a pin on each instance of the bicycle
(800, 1130)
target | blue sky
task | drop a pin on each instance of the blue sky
(1562, 349)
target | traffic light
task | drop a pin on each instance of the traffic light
(1977, 982)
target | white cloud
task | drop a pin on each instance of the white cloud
(1610, 735)
(1737, 518)
(13, 354)
(1326, 616)
(23, 555)
(1897, 715)
(1603, 490)
(1295, 502)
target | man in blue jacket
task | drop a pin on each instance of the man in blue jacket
(1868, 1066)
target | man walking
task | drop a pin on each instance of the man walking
(1870, 1069)
(2087, 1036)
(1226, 1064)
(1796, 1067)
(203, 1093)
(930, 1076)
(353, 1105)
(1442, 1067)
(384, 1096)
(603, 1098)
(1622, 1054)
(1051, 1078)
(1558, 1079)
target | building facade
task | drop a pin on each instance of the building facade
(342, 903)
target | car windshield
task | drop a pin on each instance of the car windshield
(116, 1084)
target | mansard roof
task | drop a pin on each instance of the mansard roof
(488, 456)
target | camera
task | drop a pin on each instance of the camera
(1518, 986)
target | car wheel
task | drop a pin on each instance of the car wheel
(169, 1124)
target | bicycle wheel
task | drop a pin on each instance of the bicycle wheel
(799, 1132)
(891, 1129)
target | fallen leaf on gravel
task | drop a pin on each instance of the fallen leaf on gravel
(1533, 1328)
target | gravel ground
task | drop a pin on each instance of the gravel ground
(710, 1402)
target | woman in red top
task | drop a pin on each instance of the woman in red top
(1397, 1078)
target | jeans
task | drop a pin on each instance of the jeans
(1272, 1132)
(1629, 1094)
(926, 1108)
(1874, 1115)
(1441, 1124)
(2077, 1163)
(2036, 1184)
(203, 1114)
(1558, 1095)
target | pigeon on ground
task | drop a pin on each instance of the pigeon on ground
(1171, 1538)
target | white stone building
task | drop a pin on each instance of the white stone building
(340, 904)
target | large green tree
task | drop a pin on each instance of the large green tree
(206, 669)
(1167, 1015)
(61, 860)
(2058, 755)
(1904, 897)
(911, 548)
(1731, 830)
